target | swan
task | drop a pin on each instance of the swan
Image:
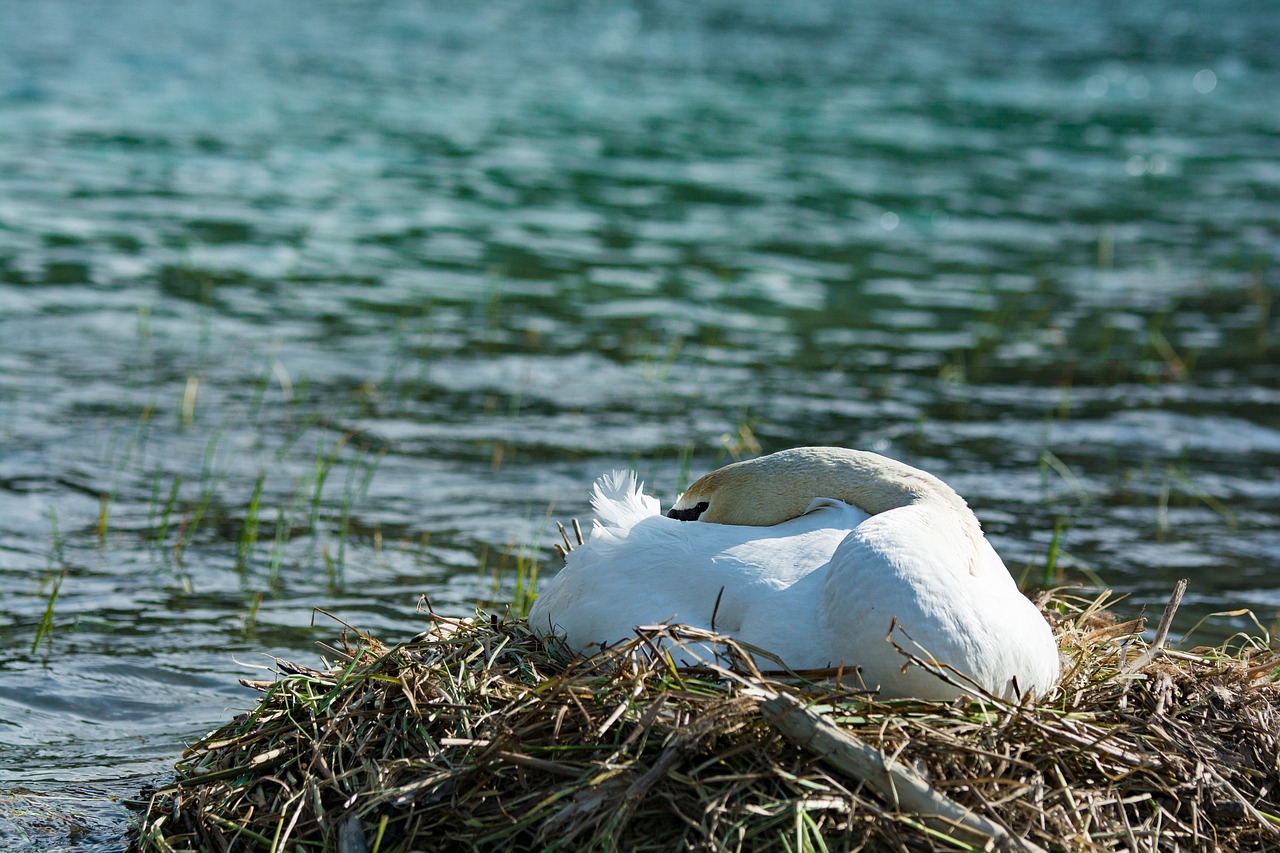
(814, 554)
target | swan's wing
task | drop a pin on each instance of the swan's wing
(906, 571)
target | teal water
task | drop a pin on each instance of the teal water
(308, 305)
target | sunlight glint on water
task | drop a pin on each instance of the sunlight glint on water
(339, 307)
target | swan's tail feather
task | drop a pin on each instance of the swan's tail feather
(619, 500)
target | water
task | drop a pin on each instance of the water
(413, 274)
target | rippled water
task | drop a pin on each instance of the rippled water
(335, 306)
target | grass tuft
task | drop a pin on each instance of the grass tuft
(45, 630)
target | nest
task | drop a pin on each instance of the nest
(479, 734)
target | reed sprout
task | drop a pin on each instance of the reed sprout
(45, 629)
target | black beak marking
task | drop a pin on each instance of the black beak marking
(690, 514)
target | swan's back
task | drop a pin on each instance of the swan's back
(639, 567)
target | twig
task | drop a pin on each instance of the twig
(715, 610)
(1162, 631)
(564, 535)
(897, 784)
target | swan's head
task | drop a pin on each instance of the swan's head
(774, 488)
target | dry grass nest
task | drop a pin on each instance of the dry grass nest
(478, 734)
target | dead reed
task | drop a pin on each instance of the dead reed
(476, 734)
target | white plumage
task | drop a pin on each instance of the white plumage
(818, 551)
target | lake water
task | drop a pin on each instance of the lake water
(338, 305)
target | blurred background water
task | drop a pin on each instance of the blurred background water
(338, 305)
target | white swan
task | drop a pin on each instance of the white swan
(818, 551)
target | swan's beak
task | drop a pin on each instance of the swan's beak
(689, 514)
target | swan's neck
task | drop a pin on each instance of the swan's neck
(774, 488)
